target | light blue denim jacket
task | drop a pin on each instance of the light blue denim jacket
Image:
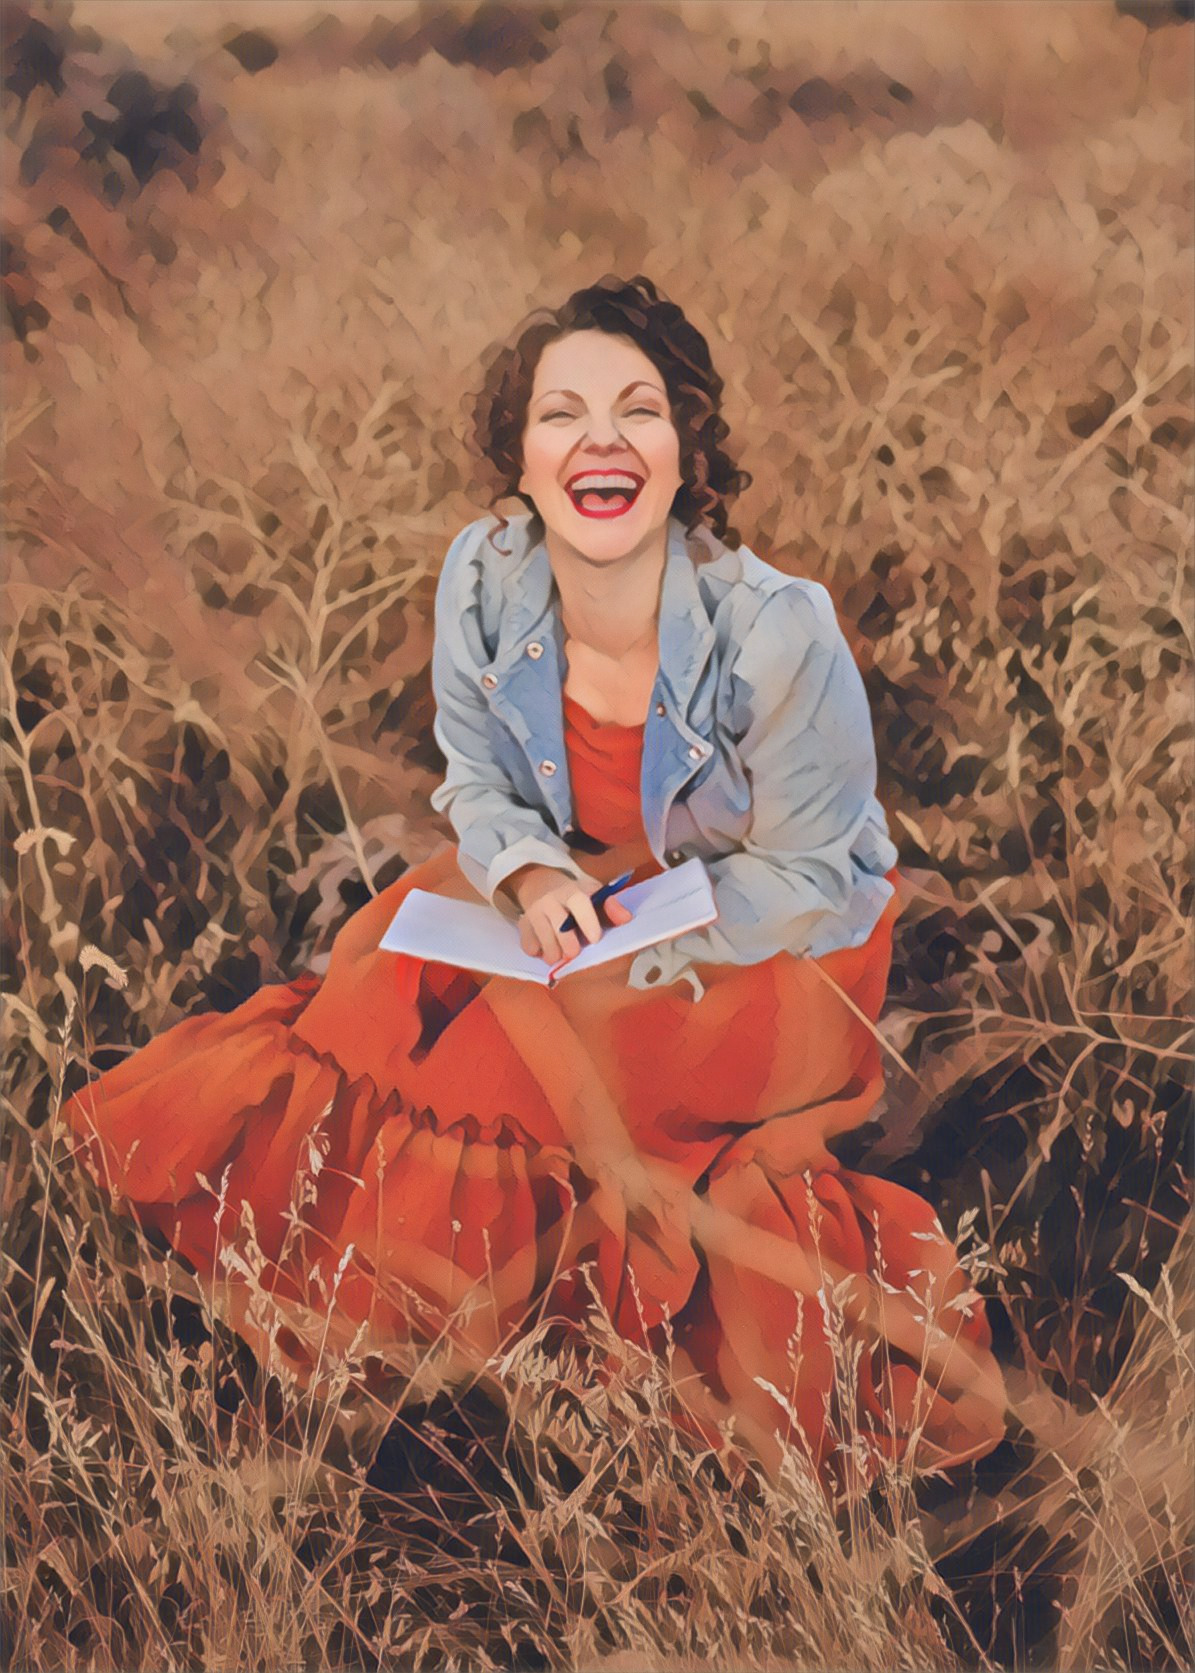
(758, 754)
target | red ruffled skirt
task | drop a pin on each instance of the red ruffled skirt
(400, 1153)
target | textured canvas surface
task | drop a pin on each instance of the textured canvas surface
(255, 255)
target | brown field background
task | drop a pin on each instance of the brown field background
(255, 254)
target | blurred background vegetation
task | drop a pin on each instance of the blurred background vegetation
(254, 256)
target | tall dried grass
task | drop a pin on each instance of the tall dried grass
(949, 287)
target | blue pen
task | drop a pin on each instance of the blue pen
(598, 896)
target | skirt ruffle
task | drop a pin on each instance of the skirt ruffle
(400, 1153)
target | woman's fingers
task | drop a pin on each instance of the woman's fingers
(553, 944)
(562, 944)
(540, 932)
(616, 911)
(585, 914)
(544, 940)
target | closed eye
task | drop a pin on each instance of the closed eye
(647, 412)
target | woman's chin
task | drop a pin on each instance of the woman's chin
(605, 539)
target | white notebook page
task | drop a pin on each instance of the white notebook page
(476, 937)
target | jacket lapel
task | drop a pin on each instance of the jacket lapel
(687, 641)
(527, 696)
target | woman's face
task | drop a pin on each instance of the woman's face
(601, 456)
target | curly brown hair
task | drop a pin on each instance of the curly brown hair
(626, 308)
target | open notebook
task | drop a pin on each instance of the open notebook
(477, 937)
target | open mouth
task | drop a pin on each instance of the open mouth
(604, 494)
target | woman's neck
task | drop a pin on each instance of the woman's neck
(612, 608)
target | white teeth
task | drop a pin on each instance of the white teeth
(601, 481)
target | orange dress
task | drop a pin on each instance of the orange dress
(400, 1154)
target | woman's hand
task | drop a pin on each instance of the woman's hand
(546, 897)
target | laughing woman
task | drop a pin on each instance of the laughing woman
(621, 684)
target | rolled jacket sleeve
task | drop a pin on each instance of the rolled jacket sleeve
(803, 880)
(497, 832)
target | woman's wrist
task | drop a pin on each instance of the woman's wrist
(510, 886)
(518, 880)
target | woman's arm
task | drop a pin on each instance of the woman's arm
(810, 756)
(497, 832)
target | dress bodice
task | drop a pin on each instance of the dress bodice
(605, 764)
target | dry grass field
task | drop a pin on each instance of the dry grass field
(255, 254)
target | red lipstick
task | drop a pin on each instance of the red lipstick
(620, 488)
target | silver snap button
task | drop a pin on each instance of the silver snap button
(660, 709)
(535, 650)
(547, 768)
(676, 856)
(489, 681)
(696, 751)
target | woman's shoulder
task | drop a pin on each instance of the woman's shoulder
(753, 605)
(488, 544)
(484, 569)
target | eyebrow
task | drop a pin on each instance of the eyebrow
(572, 392)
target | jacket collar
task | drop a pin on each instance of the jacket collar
(686, 634)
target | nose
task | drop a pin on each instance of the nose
(602, 432)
